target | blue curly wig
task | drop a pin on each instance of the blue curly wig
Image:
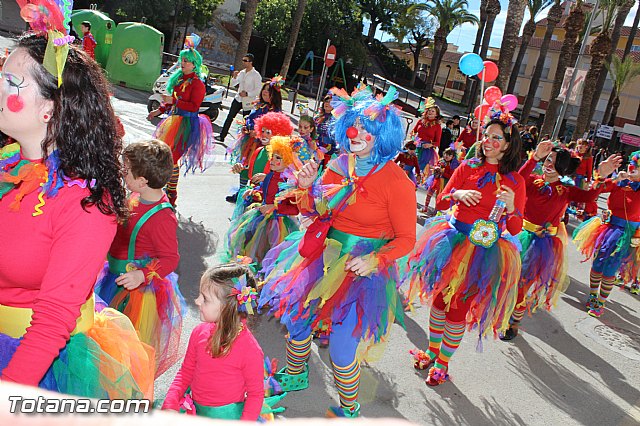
(389, 136)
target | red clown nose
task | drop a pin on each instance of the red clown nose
(352, 132)
(632, 168)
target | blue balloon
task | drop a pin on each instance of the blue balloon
(471, 64)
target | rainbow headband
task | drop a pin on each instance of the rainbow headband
(499, 112)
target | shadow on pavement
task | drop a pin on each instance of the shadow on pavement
(556, 383)
(195, 244)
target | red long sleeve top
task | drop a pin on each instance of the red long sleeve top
(468, 177)
(285, 206)
(89, 45)
(547, 203)
(405, 159)
(235, 377)
(49, 264)
(623, 201)
(386, 208)
(586, 167)
(188, 94)
(468, 137)
(429, 131)
(157, 238)
(447, 170)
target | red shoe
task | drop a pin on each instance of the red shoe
(421, 360)
(437, 376)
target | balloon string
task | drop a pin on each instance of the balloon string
(481, 95)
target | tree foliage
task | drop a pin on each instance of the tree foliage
(383, 13)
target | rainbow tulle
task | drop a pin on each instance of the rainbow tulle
(189, 134)
(445, 261)
(610, 244)
(317, 292)
(253, 234)
(107, 361)
(544, 268)
(155, 309)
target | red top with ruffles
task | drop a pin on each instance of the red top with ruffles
(623, 201)
(285, 206)
(469, 175)
(547, 203)
(429, 131)
(235, 377)
(188, 94)
(157, 239)
(385, 208)
(406, 159)
(468, 137)
(586, 167)
(50, 264)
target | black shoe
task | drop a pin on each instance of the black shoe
(219, 138)
(510, 334)
(232, 198)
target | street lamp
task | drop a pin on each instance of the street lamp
(446, 80)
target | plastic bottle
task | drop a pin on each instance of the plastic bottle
(497, 210)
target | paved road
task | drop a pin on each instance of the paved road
(565, 367)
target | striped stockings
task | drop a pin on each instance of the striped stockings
(347, 380)
(436, 328)
(297, 355)
(451, 339)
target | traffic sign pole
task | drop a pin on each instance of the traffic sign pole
(323, 75)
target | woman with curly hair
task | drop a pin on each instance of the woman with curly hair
(61, 192)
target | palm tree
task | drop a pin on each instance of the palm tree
(493, 10)
(449, 14)
(599, 50)
(534, 7)
(573, 25)
(624, 6)
(553, 18)
(245, 36)
(515, 16)
(627, 50)
(293, 37)
(623, 71)
(476, 47)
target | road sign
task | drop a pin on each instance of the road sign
(330, 57)
(604, 131)
(630, 140)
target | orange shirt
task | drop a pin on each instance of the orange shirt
(386, 208)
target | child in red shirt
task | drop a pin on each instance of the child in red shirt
(223, 367)
(88, 41)
(138, 278)
(441, 175)
(408, 160)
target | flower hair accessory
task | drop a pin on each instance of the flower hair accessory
(48, 17)
(245, 295)
(192, 41)
(277, 82)
(378, 111)
(499, 112)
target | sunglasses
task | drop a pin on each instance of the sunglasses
(246, 60)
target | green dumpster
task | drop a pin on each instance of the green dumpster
(102, 28)
(136, 56)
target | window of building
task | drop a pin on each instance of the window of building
(457, 85)
(635, 48)
(546, 67)
(523, 65)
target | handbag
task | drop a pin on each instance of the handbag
(313, 239)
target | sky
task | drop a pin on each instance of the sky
(465, 35)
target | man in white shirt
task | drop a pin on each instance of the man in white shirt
(249, 83)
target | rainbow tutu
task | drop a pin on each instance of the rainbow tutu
(190, 134)
(613, 246)
(253, 234)
(106, 361)
(317, 292)
(445, 261)
(155, 309)
(544, 267)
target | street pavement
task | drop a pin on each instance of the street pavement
(565, 368)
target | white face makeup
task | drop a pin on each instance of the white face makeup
(362, 144)
(634, 173)
(265, 136)
(549, 166)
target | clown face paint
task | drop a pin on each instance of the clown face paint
(494, 144)
(549, 168)
(13, 85)
(634, 173)
(265, 136)
(276, 163)
(362, 142)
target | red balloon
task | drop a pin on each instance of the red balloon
(481, 111)
(490, 72)
(492, 94)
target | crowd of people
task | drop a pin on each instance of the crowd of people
(323, 234)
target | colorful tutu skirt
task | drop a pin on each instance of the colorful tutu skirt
(427, 157)
(487, 270)
(544, 266)
(253, 234)
(613, 246)
(155, 309)
(190, 135)
(104, 357)
(316, 292)
(230, 411)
